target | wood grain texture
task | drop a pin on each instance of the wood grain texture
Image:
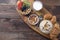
(51, 2)
(13, 28)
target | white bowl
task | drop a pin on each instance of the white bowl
(37, 5)
(46, 26)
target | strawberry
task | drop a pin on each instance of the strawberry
(19, 4)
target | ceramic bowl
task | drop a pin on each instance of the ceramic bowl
(46, 26)
(37, 5)
(33, 19)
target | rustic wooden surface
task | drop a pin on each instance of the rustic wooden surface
(13, 28)
(51, 2)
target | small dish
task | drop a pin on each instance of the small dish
(37, 5)
(33, 19)
(46, 26)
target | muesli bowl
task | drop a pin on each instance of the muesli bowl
(33, 19)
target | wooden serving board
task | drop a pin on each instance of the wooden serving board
(35, 28)
(25, 19)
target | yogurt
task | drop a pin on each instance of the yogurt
(37, 5)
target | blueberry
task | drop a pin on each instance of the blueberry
(40, 17)
(24, 8)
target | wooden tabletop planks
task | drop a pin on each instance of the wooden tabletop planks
(12, 25)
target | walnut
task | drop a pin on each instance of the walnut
(48, 16)
(54, 33)
(53, 20)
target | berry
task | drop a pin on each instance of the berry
(19, 4)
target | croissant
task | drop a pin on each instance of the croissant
(54, 33)
(53, 20)
(48, 16)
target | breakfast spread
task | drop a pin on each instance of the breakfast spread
(47, 24)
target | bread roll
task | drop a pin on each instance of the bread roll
(48, 16)
(54, 33)
(53, 20)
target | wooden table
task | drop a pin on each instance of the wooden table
(13, 28)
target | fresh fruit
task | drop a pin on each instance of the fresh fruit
(24, 8)
(19, 4)
(27, 3)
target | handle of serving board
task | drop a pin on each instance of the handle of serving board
(43, 10)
